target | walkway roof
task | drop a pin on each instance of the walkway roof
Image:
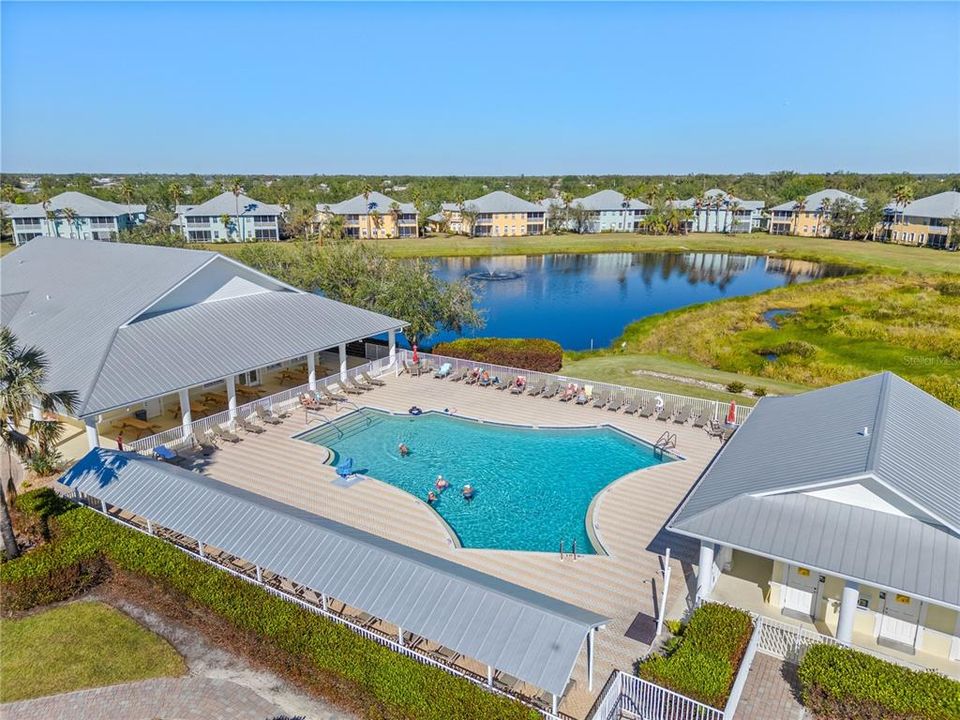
(764, 491)
(526, 634)
(83, 303)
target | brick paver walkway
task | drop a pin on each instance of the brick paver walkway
(189, 698)
(770, 691)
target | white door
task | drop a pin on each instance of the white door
(901, 616)
(801, 591)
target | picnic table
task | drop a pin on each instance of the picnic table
(141, 426)
(215, 397)
(292, 374)
(196, 409)
(248, 391)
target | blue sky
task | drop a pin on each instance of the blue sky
(435, 88)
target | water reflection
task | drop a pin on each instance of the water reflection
(584, 300)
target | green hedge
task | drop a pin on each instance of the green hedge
(838, 682)
(528, 354)
(86, 544)
(703, 664)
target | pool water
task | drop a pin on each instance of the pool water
(532, 487)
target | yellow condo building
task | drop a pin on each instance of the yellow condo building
(809, 217)
(496, 214)
(926, 221)
(373, 215)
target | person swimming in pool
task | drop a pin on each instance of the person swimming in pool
(468, 492)
(404, 450)
(431, 497)
(442, 483)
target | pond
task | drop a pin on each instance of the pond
(586, 300)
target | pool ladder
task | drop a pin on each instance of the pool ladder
(666, 440)
(572, 554)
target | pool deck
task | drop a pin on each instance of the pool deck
(629, 514)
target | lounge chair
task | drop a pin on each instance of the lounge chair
(443, 371)
(683, 415)
(344, 386)
(376, 382)
(326, 396)
(616, 402)
(485, 380)
(510, 382)
(702, 419)
(267, 416)
(602, 398)
(411, 368)
(472, 377)
(223, 434)
(519, 384)
(309, 402)
(550, 391)
(357, 385)
(728, 433)
(633, 406)
(648, 409)
(714, 429)
(249, 426)
(583, 397)
(569, 393)
(206, 445)
(665, 412)
(459, 375)
(534, 388)
(162, 452)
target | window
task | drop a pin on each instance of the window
(264, 218)
(266, 234)
(27, 222)
(199, 235)
(198, 220)
(25, 237)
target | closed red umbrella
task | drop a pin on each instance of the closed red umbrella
(732, 413)
(416, 358)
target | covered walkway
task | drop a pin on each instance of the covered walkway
(510, 638)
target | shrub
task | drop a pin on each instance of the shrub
(799, 348)
(87, 546)
(760, 391)
(951, 289)
(703, 663)
(838, 682)
(736, 387)
(528, 354)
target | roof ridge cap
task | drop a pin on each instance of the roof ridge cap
(877, 434)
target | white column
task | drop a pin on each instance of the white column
(343, 361)
(93, 437)
(590, 659)
(490, 675)
(149, 526)
(848, 609)
(103, 506)
(392, 346)
(185, 411)
(231, 381)
(36, 412)
(312, 370)
(400, 635)
(705, 571)
(259, 574)
(554, 704)
(666, 589)
(200, 547)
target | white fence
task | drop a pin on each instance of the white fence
(627, 696)
(790, 643)
(283, 400)
(717, 409)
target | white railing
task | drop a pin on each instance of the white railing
(319, 610)
(284, 400)
(790, 643)
(628, 696)
(740, 681)
(716, 408)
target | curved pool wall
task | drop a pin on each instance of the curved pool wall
(534, 486)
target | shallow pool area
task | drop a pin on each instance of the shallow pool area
(532, 486)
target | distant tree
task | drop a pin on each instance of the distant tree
(175, 191)
(236, 187)
(733, 207)
(558, 213)
(953, 232)
(395, 213)
(822, 214)
(125, 190)
(799, 205)
(902, 196)
(228, 224)
(70, 215)
(468, 219)
(625, 205)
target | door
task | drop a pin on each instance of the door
(801, 593)
(899, 622)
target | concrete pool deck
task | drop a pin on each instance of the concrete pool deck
(629, 513)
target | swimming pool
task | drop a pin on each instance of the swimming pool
(532, 486)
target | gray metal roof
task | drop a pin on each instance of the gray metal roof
(83, 205)
(361, 205)
(814, 201)
(498, 201)
(226, 204)
(206, 342)
(714, 193)
(911, 458)
(609, 200)
(74, 298)
(521, 632)
(943, 205)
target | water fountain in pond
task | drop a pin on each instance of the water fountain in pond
(494, 275)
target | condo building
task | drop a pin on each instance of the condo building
(811, 217)
(229, 217)
(371, 215)
(496, 214)
(73, 215)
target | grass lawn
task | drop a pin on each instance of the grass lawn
(76, 646)
(6, 247)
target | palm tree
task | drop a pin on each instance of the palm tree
(733, 208)
(395, 214)
(126, 192)
(366, 191)
(700, 204)
(902, 196)
(175, 191)
(23, 373)
(70, 215)
(237, 189)
(226, 220)
(825, 206)
(799, 205)
(627, 199)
